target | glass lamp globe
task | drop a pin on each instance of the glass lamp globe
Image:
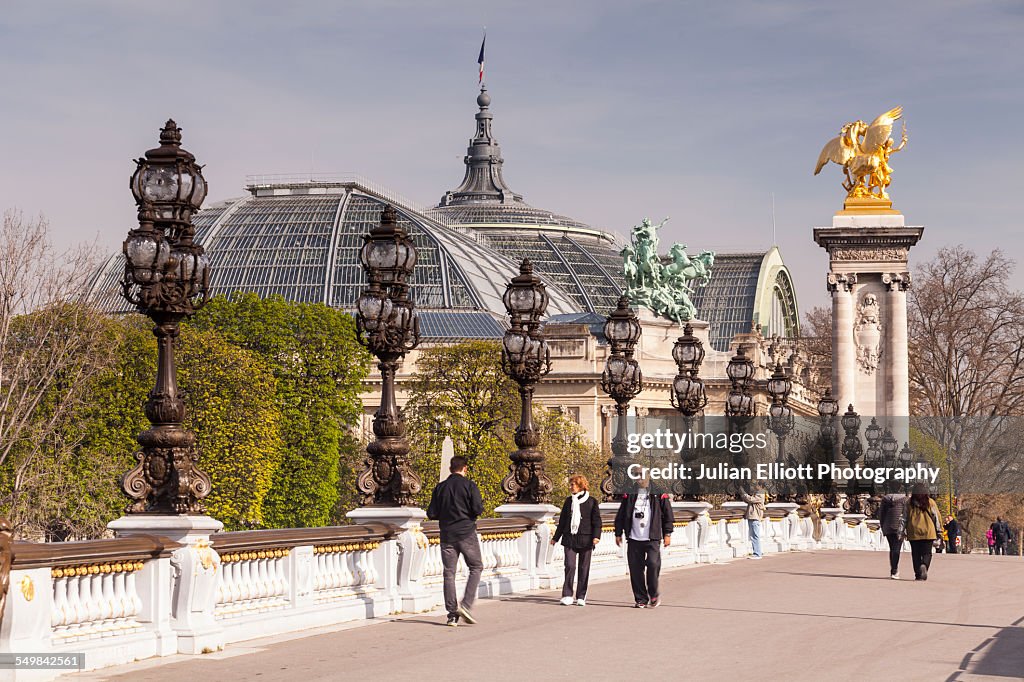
(168, 179)
(688, 351)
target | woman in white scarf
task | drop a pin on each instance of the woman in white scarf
(579, 528)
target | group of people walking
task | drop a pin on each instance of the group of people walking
(644, 520)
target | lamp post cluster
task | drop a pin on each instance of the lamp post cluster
(780, 418)
(387, 325)
(622, 381)
(688, 394)
(525, 358)
(167, 277)
(828, 408)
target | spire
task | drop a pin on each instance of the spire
(483, 182)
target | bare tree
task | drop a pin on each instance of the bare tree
(967, 365)
(50, 346)
(816, 341)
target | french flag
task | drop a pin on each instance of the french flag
(480, 59)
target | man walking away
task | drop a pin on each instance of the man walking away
(646, 519)
(456, 504)
(1001, 534)
(754, 516)
(890, 516)
(952, 533)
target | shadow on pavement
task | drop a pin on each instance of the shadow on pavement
(554, 601)
(1001, 655)
(834, 575)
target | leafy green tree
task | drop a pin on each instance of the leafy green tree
(312, 352)
(460, 390)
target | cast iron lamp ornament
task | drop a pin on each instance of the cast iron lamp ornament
(739, 404)
(688, 394)
(852, 450)
(525, 358)
(167, 277)
(387, 325)
(828, 408)
(780, 417)
(622, 381)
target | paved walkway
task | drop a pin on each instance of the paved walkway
(800, 616)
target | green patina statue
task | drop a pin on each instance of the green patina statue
(663, 286)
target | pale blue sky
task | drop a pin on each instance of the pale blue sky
(606, 111)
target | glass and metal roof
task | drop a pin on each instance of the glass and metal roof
(302, 241)
(748, 290)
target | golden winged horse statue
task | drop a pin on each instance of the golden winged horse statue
(863, 151)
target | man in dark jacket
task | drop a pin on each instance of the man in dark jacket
(952, 533)
(646, 519)
(456, 504)
(890, 516)
(1001, 534)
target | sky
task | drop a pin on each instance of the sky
(605, 111)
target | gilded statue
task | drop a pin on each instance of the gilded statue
(863, 151)
(663, 285)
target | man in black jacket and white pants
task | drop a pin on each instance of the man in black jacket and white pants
(456, 504)
(646, 519)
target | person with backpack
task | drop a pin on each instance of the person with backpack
(890, 516)
(646, 519)
(923, 528)
(1001, 534)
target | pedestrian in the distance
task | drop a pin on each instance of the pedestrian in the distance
(646, 520)
(952, 534)
(890, 516)
(456, 504)
(755, 517)
(924, 530)
(1001, 534)
(991, 541)
(579, 529)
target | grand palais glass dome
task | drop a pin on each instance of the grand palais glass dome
(299, 237)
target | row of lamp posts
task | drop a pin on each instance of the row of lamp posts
(167, 277)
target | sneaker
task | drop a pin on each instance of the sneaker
(640, 605)
(895, 576)
(924, 573)
(655, 602)
(581, 602)
(754, 557)
(453, 621)
(466, 615)
(566, 601)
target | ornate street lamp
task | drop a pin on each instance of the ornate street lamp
(525, 358)
(386, 324)
(622, 381)
(852, 450)
(739, 404)
(906, 459)
(688, 394)
(780, 417)
(828, 408)
(167, 277)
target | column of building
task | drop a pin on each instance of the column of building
(843, 351)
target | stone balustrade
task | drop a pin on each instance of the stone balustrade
(124, 599)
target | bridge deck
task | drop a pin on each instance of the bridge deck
(799, 616)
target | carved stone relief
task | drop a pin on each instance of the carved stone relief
(867, 333)
(879, 254)
(840, 282)
(896, 281)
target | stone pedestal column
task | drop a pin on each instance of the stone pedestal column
(542, 555)
(898, 395)
(194, 568)
(868, 253)
(410, 552)
(843, 351)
